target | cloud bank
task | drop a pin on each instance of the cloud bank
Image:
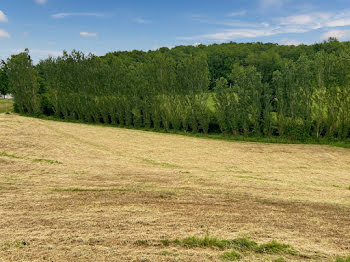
(339, 34)
(299, 23)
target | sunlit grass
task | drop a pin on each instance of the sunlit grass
(6, 105)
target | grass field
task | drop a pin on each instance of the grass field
(6, 104)
(75, 192)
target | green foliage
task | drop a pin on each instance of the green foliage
(339, 259)
(281, 259)
(47, 161)
(238, 246)
(4, 83)
(275, 248)
(244, 244)
(231, 256)
(22, 81)
(248, 90)
(6, 105)
(165, 242)
(142, 243)
(203, 242)
(10, 155)
(13, 244)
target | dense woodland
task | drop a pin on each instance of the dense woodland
(249, 89)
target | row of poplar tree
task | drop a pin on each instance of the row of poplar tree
(243, 89)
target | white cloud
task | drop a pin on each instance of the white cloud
(4, 34)
(339, 22)
(141, 20)
(286, 41)
(235, 24)
(227, 22)
(40, 2)
(298, 19)
(46, 52)
(64, 15)
(339, 34)
(318, 20)
(232, 34)
(298, 23)
(310, 21)
(86, 34)
(239, 13)
(3, 17)
(236, 33)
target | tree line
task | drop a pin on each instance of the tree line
(252, 89)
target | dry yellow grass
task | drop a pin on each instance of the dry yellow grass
(133, 185)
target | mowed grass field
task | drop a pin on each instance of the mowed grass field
(75, 192)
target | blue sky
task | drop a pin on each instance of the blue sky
(47, 27)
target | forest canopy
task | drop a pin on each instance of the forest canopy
(249, 89)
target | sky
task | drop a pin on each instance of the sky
(47, 27)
